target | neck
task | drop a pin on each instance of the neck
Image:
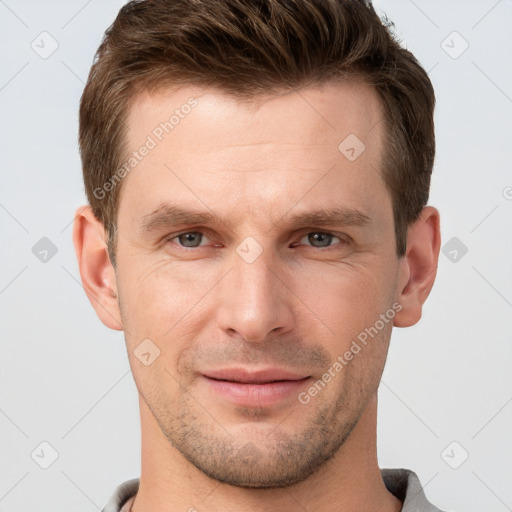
(350, 481)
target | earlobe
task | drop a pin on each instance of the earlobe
(418, 267)
(96, 271)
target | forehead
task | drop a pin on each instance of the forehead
(207, 146)
(307, 114)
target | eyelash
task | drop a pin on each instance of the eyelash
(345, 239)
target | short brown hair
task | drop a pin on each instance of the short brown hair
(248, 48)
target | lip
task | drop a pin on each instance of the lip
(262, 388)
(254, 377)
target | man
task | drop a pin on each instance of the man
(257, 176)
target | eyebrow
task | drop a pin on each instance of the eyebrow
(342, 216)
(169, 216)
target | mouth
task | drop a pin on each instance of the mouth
(263, 376)
(255, 389)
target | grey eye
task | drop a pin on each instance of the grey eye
(190, 239)
(319, 239)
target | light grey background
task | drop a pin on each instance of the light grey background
(64, 377)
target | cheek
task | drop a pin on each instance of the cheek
(165, 304)
(160, 290)
(344, 299)
(156, 304)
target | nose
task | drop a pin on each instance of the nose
(255, 299)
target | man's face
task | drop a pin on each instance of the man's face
(257, 288)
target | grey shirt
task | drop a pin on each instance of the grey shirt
(403, 483)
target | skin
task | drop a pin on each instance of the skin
(298, 305)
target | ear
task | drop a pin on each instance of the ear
(96, 270)
(418, 267)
